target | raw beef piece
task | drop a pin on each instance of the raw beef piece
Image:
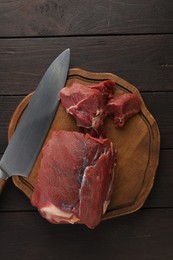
(122, 107)
(87, 104)
(75, 178)
(105, 87)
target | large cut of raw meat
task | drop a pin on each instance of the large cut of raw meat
(87, 104)
(75, 178)
(122, 107)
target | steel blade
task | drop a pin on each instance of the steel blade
(28, 138)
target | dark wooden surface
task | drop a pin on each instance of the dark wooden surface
(132, 39)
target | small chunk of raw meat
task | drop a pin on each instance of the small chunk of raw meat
(74, 182)
(122, 107)
(87, 104)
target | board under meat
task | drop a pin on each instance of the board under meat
(138, 144)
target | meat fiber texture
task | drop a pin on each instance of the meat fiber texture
(75, 178)
(122, 107)
(87, 104)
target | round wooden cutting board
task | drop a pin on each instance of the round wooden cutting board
(138, 145)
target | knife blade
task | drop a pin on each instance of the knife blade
(28, 138)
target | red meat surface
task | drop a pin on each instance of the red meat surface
(75, 178)
(122, 107)
(87, 104)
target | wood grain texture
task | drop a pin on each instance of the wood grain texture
(54, 17)
(145, 60)
(12, 199)
(161, 194)
(147, 234)
(133, 179)
(8, 105)
(160, 105)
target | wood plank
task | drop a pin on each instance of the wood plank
(147, 234)
(13, 199)
(160, 195)
(159, 104)
(7, 107)
(53, 17)
(145, 61)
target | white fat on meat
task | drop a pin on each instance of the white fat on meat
(54, 214)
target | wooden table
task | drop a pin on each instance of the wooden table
(132, 39)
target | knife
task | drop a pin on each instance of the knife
(28, 138)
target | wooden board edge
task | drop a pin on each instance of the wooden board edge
(25, 187)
